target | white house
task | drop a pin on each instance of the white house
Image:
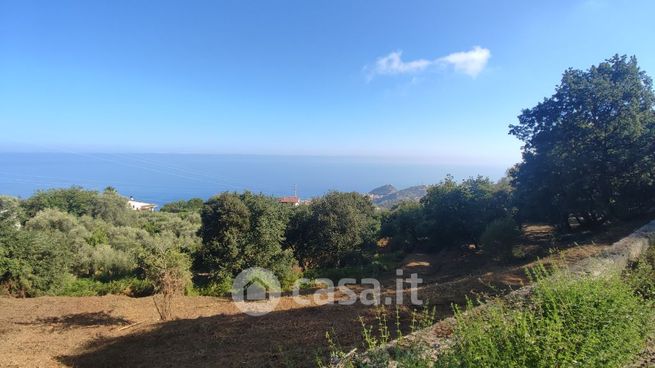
(140, 206)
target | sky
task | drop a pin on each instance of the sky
(433, 80)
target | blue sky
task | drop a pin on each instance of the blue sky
(435, 80)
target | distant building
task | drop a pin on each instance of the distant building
(292, 200)
(140, 206)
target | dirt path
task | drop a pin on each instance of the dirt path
(113, 331)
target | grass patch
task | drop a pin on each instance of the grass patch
(378, 335)
(130, 286)
(378, 264)
(567, 322)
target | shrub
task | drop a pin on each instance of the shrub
(105, 263)
(11, 213)
(169, 271)
(221, 288)
(32, 263)
(499, 237)
(51, 219)
(641, 275)
(130, 286)
(569, 321)
(405, 353)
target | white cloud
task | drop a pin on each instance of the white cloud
(392, 64)
(470, 63)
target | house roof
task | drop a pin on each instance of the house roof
(289, 199)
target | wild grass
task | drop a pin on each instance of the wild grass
(130, 286)
(566, 321)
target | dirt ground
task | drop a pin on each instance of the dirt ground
(113, 331)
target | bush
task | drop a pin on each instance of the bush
(11, 213)
(641, 275)
(499, 237)
(168, 270)
(32, 263)
(372, 266)
(221, 288)
(130, 286)
(568, 322)
(105, 263)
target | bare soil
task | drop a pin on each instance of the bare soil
(113, 331)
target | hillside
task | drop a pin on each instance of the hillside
(414, 193)
(383, 190)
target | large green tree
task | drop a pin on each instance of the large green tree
(108, 205)
(457, 213)
(333, 228)
(239, 231)
(589, 150)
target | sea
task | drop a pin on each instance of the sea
(163, 178)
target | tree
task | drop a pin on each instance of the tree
(457, 213)
(192, 205)
(332, 228)
(239, 231)
(31, 263)
(77, 201)
(11, 213)
(589, 150)
(403, 224)
(74, 200)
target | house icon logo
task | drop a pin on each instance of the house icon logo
(256, 291)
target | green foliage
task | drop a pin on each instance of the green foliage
(221, 288)
(74, 200)
(166, 267)
(51, 219)
(32, 263)
(457, 213)
(103, 262)
(130, 286)
(239, 231)
(373, 266)
(402, 224)
(568, 322)
(590, 148)
(84, 236)
(192, 205)
(376, 337)
(333, 229)
(499, 237)
(641, 275)
(77, 201)
(11, 213)
(169, 270)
